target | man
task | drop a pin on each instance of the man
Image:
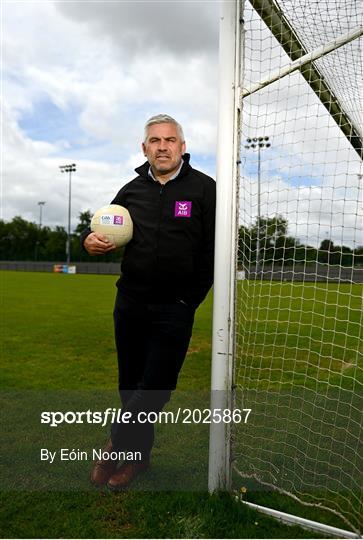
(166, 272)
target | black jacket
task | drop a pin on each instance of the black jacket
(170, 256)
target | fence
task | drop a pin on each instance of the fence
(313, 272)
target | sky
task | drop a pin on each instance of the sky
(80, 78)
(79, 81)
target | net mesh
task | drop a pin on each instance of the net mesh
(298, 358)
(316, 24)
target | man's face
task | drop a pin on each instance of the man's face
(163, 149)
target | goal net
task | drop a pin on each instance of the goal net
(299, 271)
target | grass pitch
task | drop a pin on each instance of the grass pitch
(57, 340)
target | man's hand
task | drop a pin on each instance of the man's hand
(98, 244)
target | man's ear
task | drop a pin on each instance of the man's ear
(143, 149)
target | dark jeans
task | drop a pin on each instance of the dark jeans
(152, 341)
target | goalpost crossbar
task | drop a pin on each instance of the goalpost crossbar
(280, 27)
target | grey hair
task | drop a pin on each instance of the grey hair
(163, 119)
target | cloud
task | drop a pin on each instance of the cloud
(32, 173)
(147, 28)
(81, 78)
(71, 66)
(313, 212)
(70, 99)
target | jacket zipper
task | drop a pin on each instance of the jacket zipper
(159, 221)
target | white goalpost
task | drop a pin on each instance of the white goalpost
(225, 244)
(287, 315)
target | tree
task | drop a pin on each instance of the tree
(358, 256)
(272, 233)
(346, 256)
(19, 239)
(4, 240)
(275, 244)
(325, 252)
(285, 249)
(84, 221)
(305, 254)
(55, 247)
(41, 245)
(244, 246)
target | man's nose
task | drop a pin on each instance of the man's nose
(162, 145)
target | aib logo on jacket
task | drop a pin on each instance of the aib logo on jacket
(183, 209)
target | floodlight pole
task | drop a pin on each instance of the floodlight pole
(69, 169)
(252, 143)
(41, 204)
(258, 211)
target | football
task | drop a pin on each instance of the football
(114, 221)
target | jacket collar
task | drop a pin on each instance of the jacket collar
(144, 168)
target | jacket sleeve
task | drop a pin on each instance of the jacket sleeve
(83, 236)
(119, 199)
(203, 279)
